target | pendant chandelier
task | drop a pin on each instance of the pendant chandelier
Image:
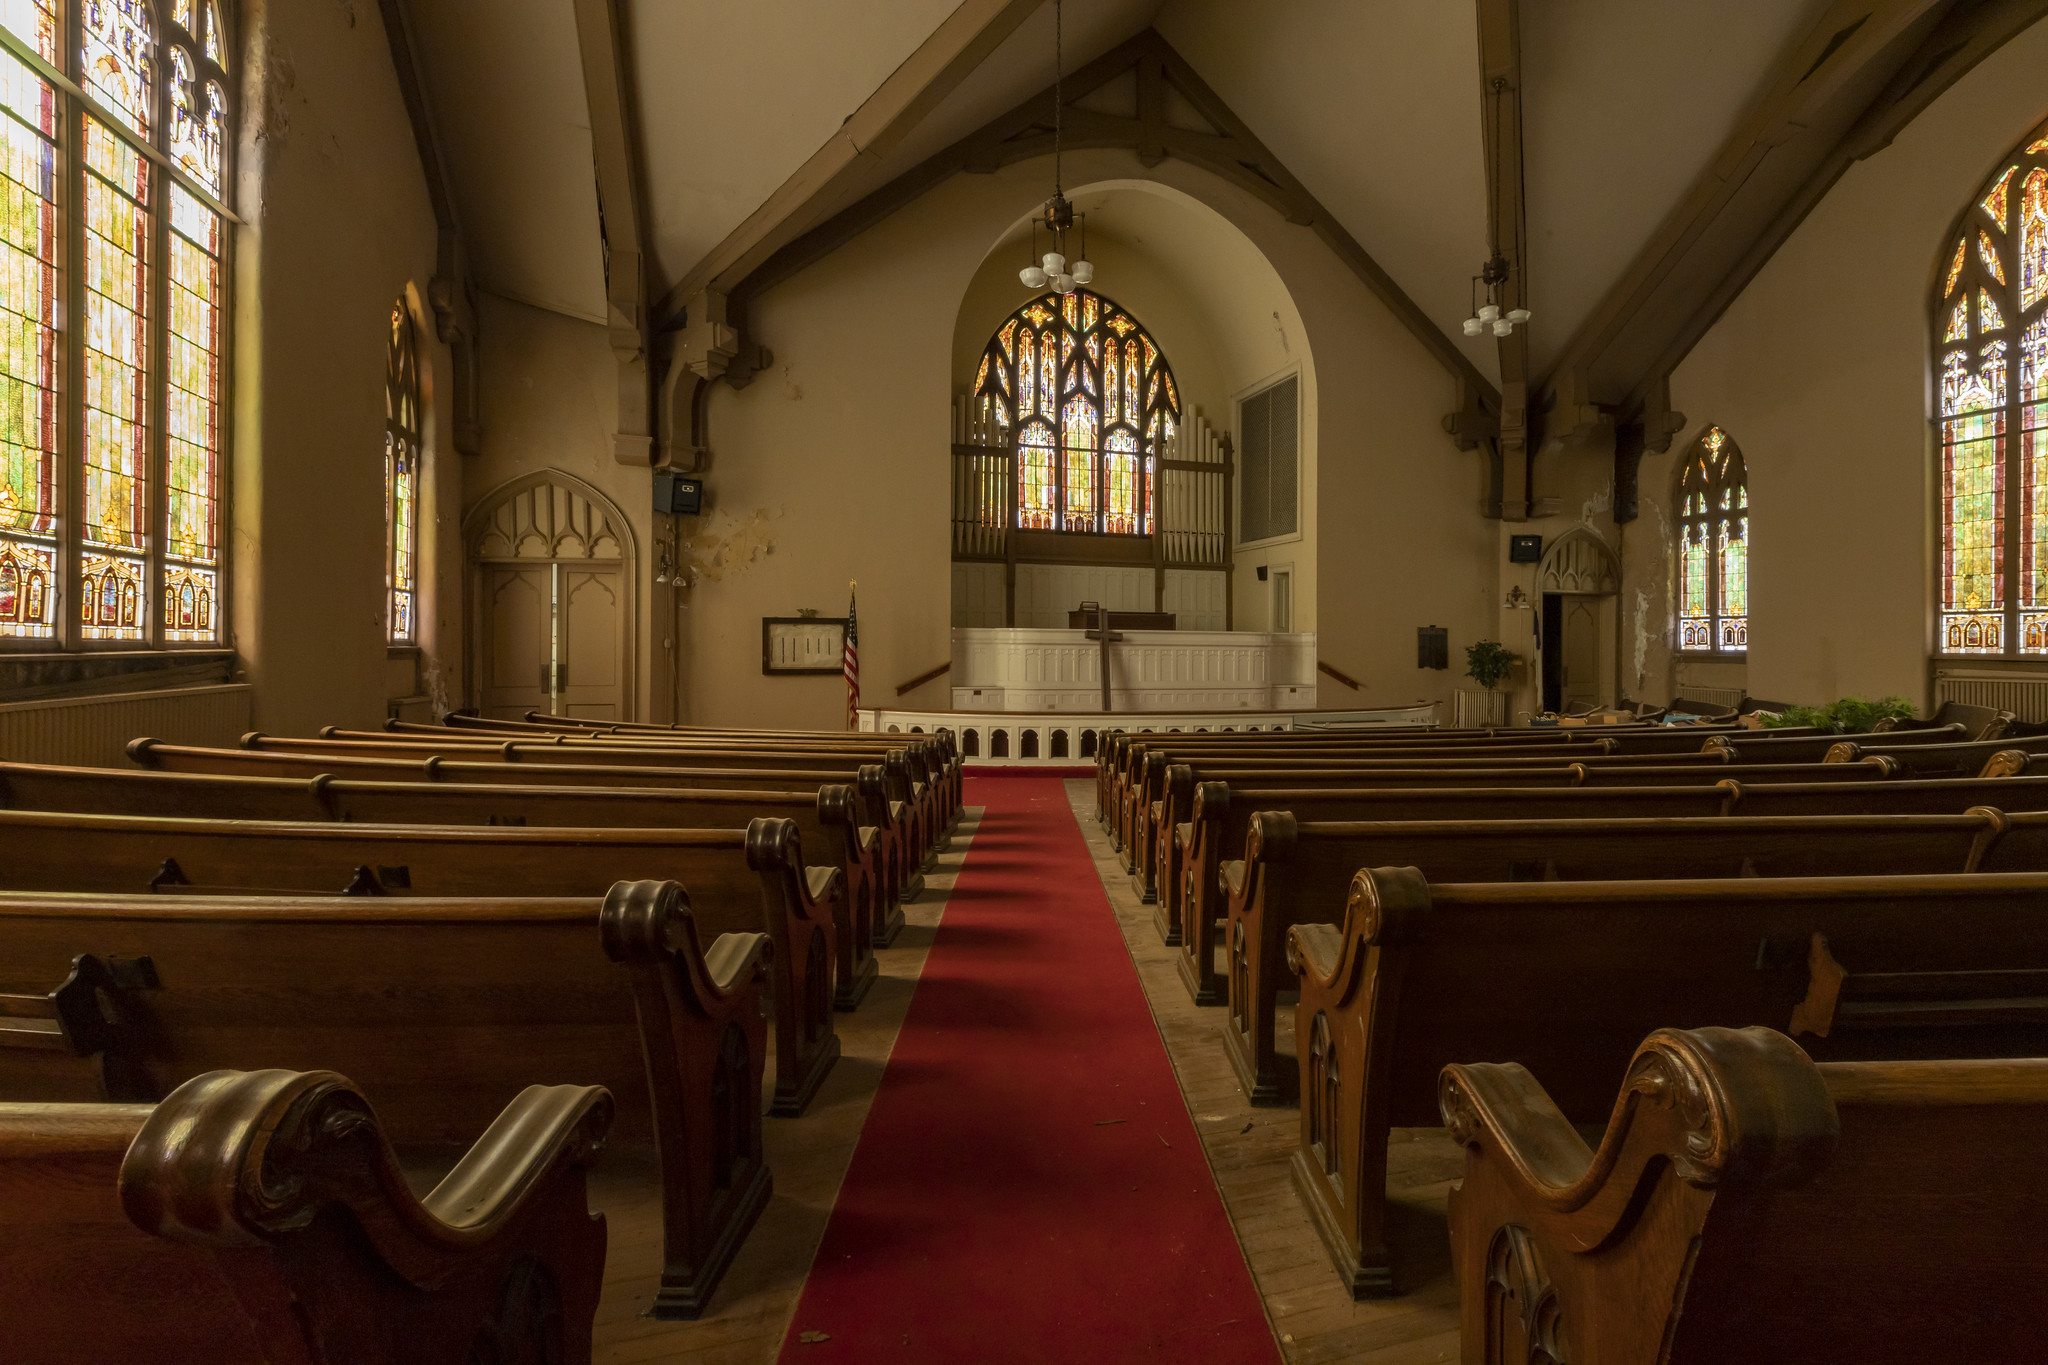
(1488, 316)
(1059, 216)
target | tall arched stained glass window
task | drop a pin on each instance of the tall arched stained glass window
(402, 477)
(1991, 343)
(111, 432)
(1085, 398)
(1713, 547)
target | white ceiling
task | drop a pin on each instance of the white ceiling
(735, 97)
(1373, 104)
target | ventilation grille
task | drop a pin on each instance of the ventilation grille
(2025, 697)
(94, 731)
(1713, 696)
(1269, 470)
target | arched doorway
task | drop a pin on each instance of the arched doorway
(1577, 588)
(551, 612)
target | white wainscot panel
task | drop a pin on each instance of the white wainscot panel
(1059, 670)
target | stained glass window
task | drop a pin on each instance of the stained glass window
(111, 479)
(1093, 407)
(1992, 390)
(1713, 546)
(402, 477)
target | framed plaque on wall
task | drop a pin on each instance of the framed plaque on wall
(795, 645)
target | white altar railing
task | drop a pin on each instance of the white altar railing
(1023, 738)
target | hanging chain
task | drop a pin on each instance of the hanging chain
(1058, 100)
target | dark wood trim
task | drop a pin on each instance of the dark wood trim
(921, 679)
(1339, 674)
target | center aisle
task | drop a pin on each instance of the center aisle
(1028, 1186)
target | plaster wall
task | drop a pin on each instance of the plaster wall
(833, 465)
(1820, 371)
(550, 402)
(338, 225)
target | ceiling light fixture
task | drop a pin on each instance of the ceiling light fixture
(1059, 216)
(1490, 316)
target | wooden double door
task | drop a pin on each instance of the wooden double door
(552, 638)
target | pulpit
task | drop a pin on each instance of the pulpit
(1086, 618)
(1023, 669)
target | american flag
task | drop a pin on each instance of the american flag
(852, 664)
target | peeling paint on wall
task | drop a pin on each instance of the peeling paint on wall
(1597, 505)
(1642, 627)
(731, 546)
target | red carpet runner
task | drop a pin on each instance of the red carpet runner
(1029, 1187)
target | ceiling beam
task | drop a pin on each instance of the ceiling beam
(1735, 210)
(969, 35)
(1965, 36)
(622, 213)
(1500, 102)
(1228, 149)
(448, 292)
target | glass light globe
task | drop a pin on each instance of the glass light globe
(1084, 272)
(1518, 315)
(1473, 327)
(1054, 263)
(1489, 312)
(1063, 283)
(1032, 277)
(1502, 327)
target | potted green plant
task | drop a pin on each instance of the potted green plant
(1488, 663)
(1846, 716)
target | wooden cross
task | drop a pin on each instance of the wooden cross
(1108, 637)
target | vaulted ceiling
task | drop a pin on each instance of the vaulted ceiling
(1375, 106)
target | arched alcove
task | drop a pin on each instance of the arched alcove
(1577, 589)
(551, 566)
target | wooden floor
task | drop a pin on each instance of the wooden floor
(1312, 1317)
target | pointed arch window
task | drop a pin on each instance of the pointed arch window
(1990, 322)
(113, 117)
(1713, 547)
(1083, 395)
(402, 478)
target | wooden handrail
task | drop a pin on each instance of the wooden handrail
(921, 679)
(1339, 674)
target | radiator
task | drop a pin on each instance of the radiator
(2024, 696)
(1715, 696)
(95, 731)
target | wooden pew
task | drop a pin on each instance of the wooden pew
(2009, 762)
(446, 1009)
(1747, 1205)
(1934, 760)
(1977, 722)
(827, 821)
(1214, 838)
(1561, 976)
(750, 880)
(1139, 801)
(261, 1217)
(1295, 871)
(538, 721)
(1160, 832)
(897, 854)
(917, 800)
(1763, 746)
(927, 756)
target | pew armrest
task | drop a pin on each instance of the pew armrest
(736, 959)
(238, 1158)
(1721, 1108)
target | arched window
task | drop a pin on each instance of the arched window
(1086, 400)
(110, 484)
(1713, 547)
(1990, 285)
(402, 476)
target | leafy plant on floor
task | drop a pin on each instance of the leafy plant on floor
(1488, 663)
(1846, 716)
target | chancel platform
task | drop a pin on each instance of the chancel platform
(1149, 670)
